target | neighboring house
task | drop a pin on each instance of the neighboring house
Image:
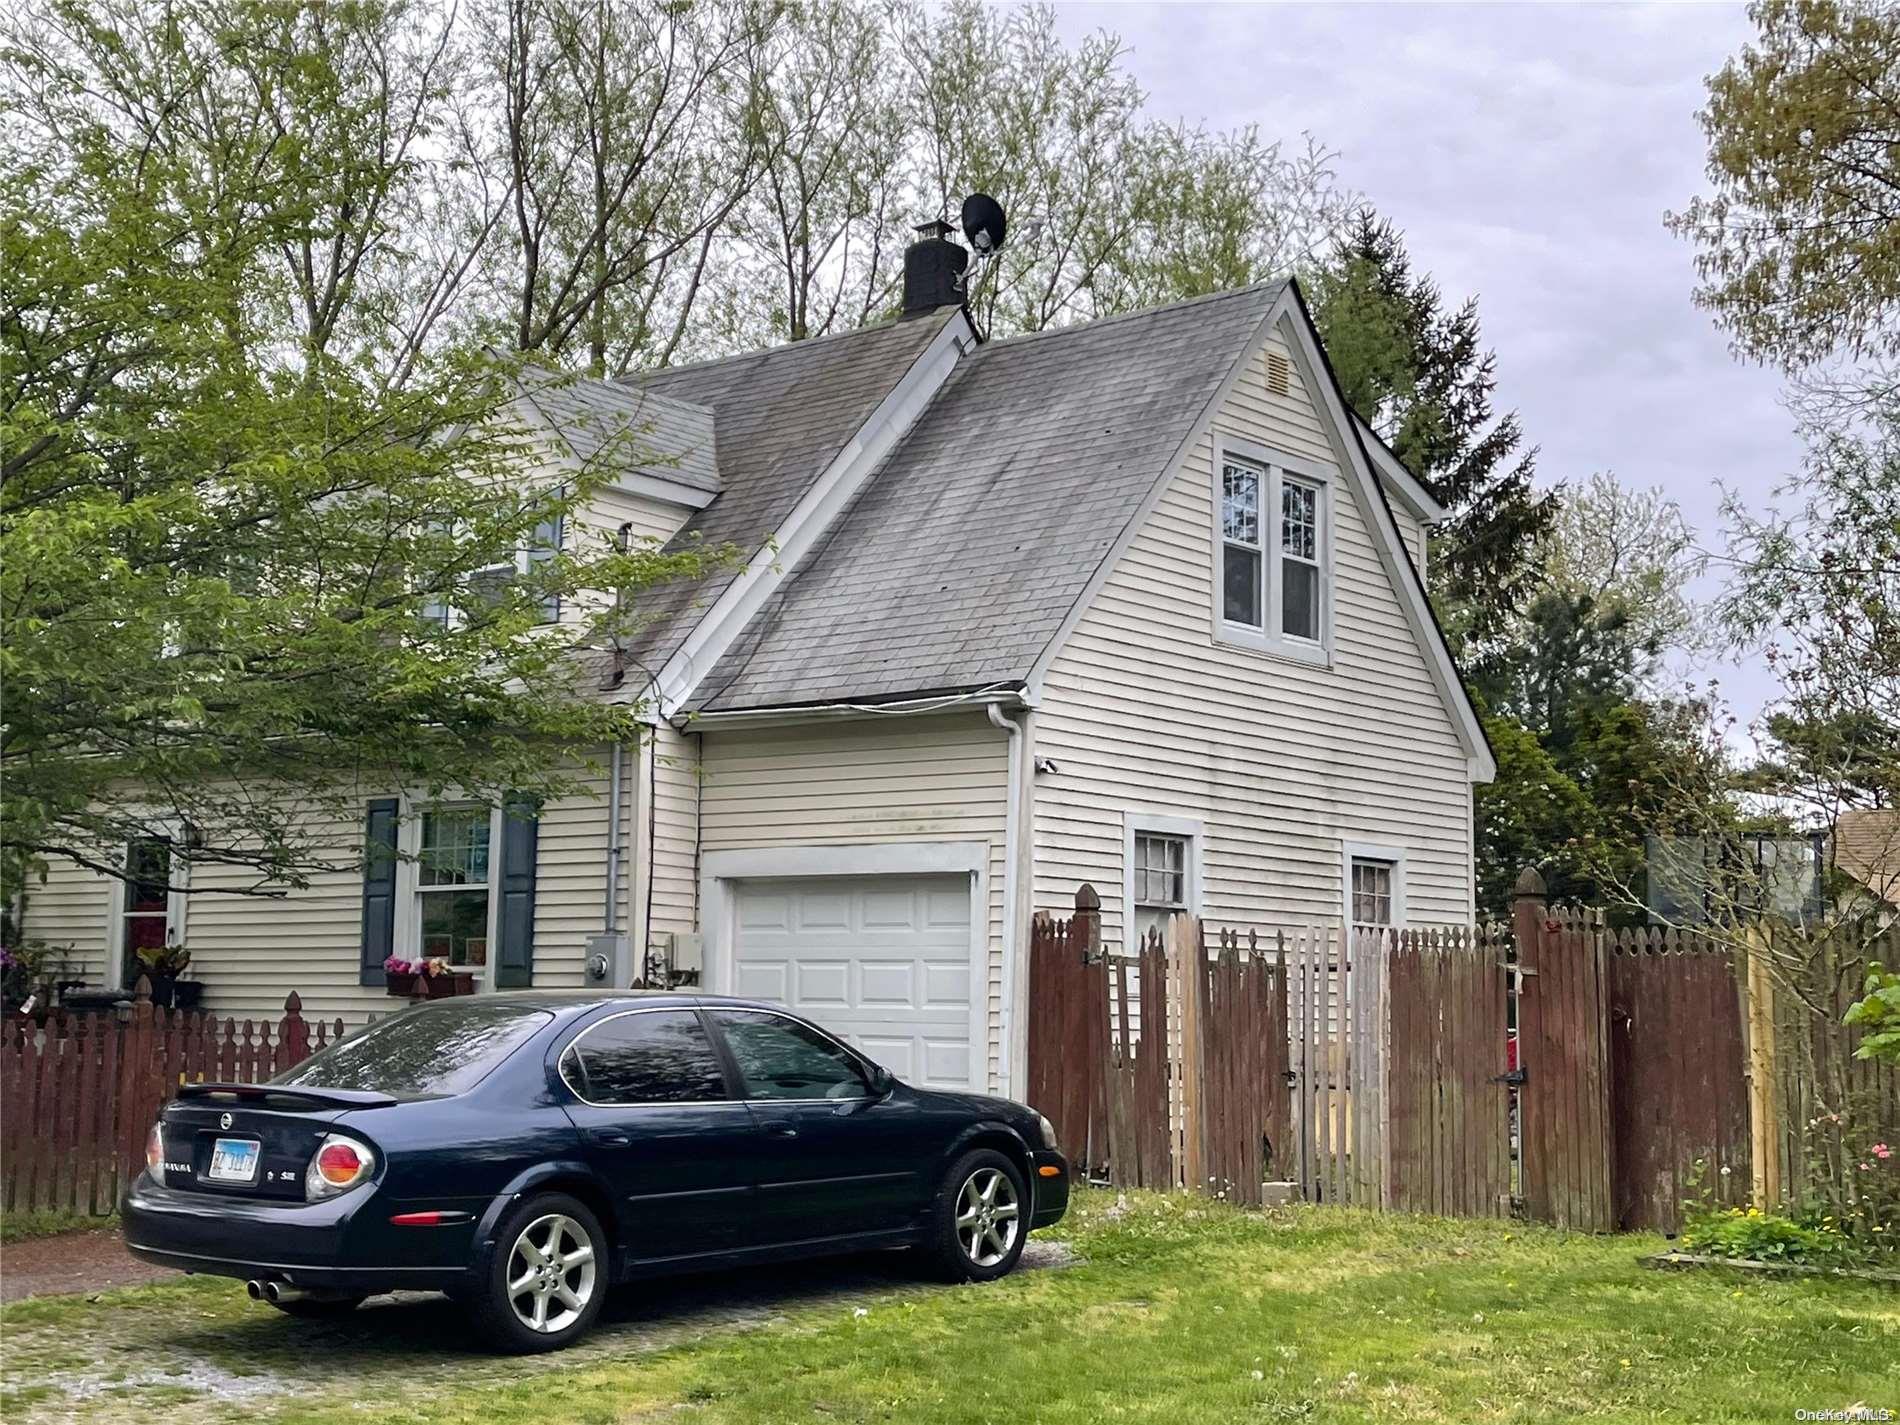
(1134, 603)
(1867, 848)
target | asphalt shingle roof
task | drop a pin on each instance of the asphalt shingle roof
(603, 420)
(783, 415)
(965, 551)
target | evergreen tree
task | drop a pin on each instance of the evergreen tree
(1418, 374)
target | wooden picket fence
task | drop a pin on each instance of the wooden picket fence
(1165, 1069)
(79, 1092)
(1378, 1070)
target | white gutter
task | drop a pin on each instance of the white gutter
(1012, 837)
(1003, 696)
(610, 913)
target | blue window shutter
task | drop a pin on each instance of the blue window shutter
(514, 965)
(379, 887)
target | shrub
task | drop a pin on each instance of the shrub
(1748, 1232)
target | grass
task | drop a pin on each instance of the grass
(49, 1222)
(1174, 1311)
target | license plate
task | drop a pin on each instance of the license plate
(234, 1160)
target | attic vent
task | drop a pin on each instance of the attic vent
(1279, 377)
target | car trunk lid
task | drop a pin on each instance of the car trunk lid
(251, 1140)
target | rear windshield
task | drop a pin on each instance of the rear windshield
(426, 1053)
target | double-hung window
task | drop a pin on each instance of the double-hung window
(453, 885)
(1273, 557)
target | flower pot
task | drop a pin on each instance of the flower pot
(403, 983)
(163, 989)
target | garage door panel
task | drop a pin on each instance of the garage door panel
(946, 1061)
(888, 983)
(823, 911)
(762, 979)
(881, 961)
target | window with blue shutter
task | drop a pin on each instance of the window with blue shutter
(379, 887)
(514, 961)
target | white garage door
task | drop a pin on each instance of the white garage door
(883, 962)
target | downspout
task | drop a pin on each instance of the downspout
(1012, 836)
(610, 914)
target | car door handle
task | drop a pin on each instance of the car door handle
(780, 1127)
(613, 1137)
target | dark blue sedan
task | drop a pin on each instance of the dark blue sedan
(523, 1152)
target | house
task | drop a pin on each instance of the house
(1866, 846)
(1134, 603)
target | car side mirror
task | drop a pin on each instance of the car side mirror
(880, 1080)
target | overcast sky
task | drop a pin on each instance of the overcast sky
(1529, 152)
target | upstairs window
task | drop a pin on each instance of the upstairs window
(1299, 559)
(1274, 557)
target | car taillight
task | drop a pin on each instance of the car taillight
(155, 1152)
(340, 1164)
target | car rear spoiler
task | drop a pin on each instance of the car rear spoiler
(298, 1096)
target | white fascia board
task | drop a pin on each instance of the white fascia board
(1350, 448)
(670, 492)
(1400, 481)
(821, 504)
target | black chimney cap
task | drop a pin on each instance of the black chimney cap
(933, 270)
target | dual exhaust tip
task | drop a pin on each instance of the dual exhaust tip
(276, 1292)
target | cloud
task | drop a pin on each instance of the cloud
(1529, 152)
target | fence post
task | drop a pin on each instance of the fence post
(293, 1035)
(1764, 1128)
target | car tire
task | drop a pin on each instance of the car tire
(319, 1308)
(979, 1218)
(533, 1276)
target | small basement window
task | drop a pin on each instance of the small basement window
(1160, 875)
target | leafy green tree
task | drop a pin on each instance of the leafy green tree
(255, 552)
(1418, 374)
(1798, 245)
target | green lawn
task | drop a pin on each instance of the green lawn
(1173, 1310)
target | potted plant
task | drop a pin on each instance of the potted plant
(29, 977)
(399, 976)
(163, 965)
(439, 981)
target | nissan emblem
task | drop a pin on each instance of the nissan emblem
(224, 1120)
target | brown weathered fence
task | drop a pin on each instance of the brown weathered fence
(1647, 1071)
(1677, 1076)
(1447, 1100)
(79, 1092)
(1163, 1069)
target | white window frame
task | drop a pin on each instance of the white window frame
(1351, 851)
(451, 615)
(407, 939)
(1275, 467)
(177, 876)
(1147, 823)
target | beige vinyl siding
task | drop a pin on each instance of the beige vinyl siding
(1282, 761)
(251, 951)
(675, 850)
(893, 779)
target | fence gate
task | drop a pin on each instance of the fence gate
(1563, 1039)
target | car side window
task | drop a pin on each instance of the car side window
(783, 1059)
(658, 1056)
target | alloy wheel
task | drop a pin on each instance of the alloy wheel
(988, 1216)
(551, 1273)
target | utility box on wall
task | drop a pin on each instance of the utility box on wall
(609, 962)
(679, 956)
